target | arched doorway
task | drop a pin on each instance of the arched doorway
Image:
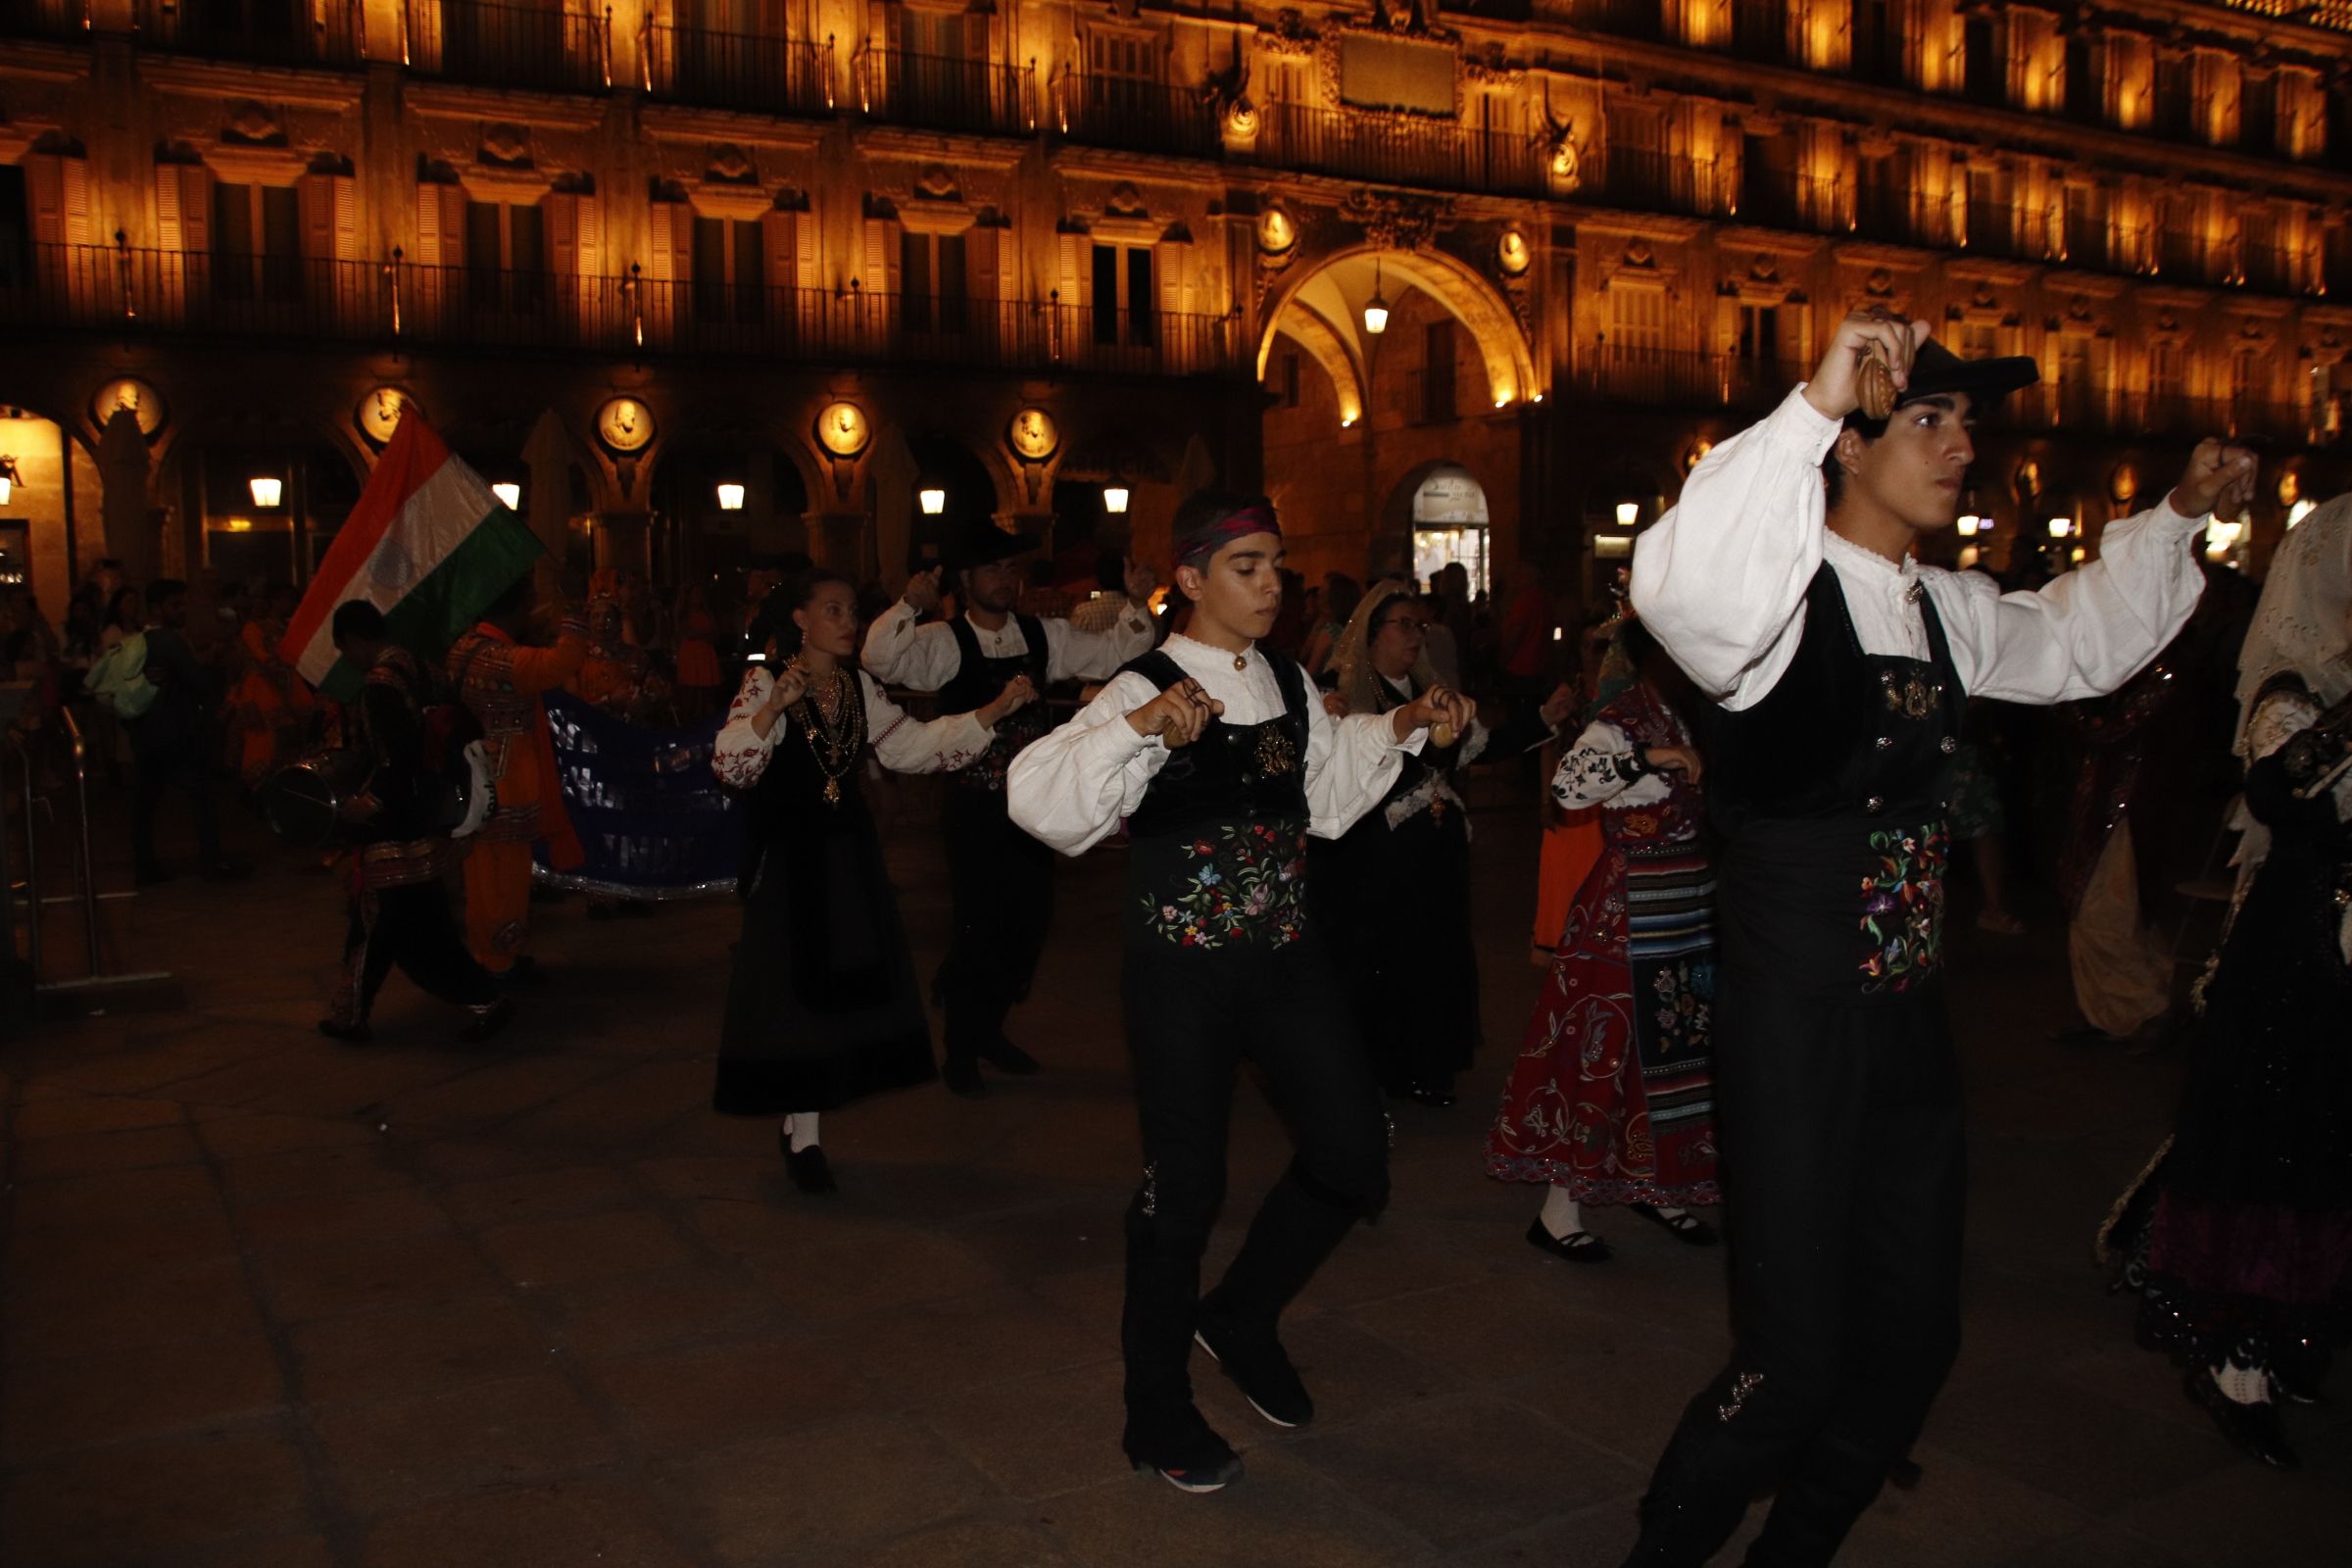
(957, 485)
(1451, 526)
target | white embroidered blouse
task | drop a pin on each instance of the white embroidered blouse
(903, 744)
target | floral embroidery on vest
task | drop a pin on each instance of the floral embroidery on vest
(1903, 907)
(1247, 883)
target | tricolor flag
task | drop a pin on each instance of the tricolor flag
(427, 544)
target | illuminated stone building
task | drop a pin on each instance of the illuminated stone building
(815, 256)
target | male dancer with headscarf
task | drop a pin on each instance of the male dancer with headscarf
(1839, 669)
(1222, 764)
(1000, 879)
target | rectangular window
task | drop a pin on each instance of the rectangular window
(1637, 320)
(1107, 293)
(2167, 368)
(256, 242)
(1760, 332)
(506, 256)
(1143, 309)
(729, 267)
(1986, 71)
(2086, 92)
(2258, 115)
(1437, 403)
(2085, 226)
(2176, 94)
(16, 227)
(2077, 394)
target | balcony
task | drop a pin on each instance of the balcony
(944, 92)
(547, 46)
(753, 71)
(1779, 200)
(2085, 410)
(61, 20)
(1399, 150)
(1658, 182)
(268, 32)
(298, 300)
(1141, 116)
(1616, 372)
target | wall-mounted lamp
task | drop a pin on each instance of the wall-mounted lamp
(730, 497)
(2061, 527)
(509, 493)
(1376, 309)
(267, 490)
(1628, 512)
(1115, 498)
(1971, 525)
(934, 500)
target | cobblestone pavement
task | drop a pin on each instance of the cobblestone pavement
(276, 1302)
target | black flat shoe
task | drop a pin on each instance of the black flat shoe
(2253, 1429)
(1577, 1246)
(1686, 1228)
(961, 1075)
(1258, 1366)
(1184, 1450)
(1011, 1060)
(811, 1171)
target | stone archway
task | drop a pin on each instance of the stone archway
(1323, 311)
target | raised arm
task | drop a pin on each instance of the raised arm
(748, 739)
(1351, 762)
(1721, 579)
(1072, 654)
(1071, 788)
(901, 650)
(909, 745)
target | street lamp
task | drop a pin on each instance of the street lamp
(730, 497)
(1970, 525)
(267, 490)
(509, 493)
(1628, 512)
(1376, 309)
(1115, 498)
(934, 500)
(2060, 527)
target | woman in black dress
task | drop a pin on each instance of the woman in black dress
(822, 1006)
(2241, 1240)
(1409, 855)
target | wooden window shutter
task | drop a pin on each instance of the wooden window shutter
(984, 261)
(882, 238)
(975, 35)
(1074, 260)
(807, 251)
(777, 256)
(562, 210)
(1171, 263)
(440, 226)
(59, 188)
(183, 206)
(315, 197)
(673, 260)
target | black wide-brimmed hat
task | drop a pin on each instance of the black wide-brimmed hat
(986, 543)
(1935, 368)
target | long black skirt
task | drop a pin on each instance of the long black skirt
(1393, 906)
(822, 1005)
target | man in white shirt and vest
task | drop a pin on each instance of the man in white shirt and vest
(1838, 670)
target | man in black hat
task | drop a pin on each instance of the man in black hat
(1782, 582)
(1000, 879)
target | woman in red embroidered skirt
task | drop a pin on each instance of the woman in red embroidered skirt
(1612, 1100)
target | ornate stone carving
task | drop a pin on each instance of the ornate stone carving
(730, 164)
(1395, 221)
(506, 144)
(252, 123)
(1290, 38)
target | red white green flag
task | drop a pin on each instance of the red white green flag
(427, 544)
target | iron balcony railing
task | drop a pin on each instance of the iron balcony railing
(1656, 181)
(554, 45)
(61, 20)
(1145, 117)
(944, 92)
(755, 71)
(270, 32)
(1400, 150)
(121, 290)
(1621, 373)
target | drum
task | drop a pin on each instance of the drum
(300, 800)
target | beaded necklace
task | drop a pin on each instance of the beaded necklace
(836, 740)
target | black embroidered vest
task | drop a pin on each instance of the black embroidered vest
(977, 682)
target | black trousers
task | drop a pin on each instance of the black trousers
(1000, 882)
(1192, 1020)
(1844, 1176)
(179, 766)
(408, 928)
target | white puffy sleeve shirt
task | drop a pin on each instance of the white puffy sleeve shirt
(903, 650)
(1072, 787)
(1721, 581)
(903, 744)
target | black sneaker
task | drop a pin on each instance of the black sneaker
(1184, 1448)
(1258, 1366)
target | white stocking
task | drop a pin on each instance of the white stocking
(1560, 1215)
(800, 1129)
(2244, 1385)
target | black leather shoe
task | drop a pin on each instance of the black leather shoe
(961, 1075)
(1258, 1366)
(1183, 1448)
(811, 1171)
(1686, 1228)
(1011, 1060)
(351, 1034)
(1577, 1246)
(2255, 1429)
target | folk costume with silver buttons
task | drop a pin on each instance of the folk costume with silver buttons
(1840, 678)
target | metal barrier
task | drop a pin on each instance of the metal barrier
(86, 892)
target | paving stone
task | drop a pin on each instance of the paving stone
(585, 1246)
(242, 1135)
(1041, 1436)
(91, 1314)
(463, 1440)
(377, 1212)
(1281, 1514)
(682, 1402)
(662, 1308)
(385, 1356)
(812, 1492)
(966, 1544)
(348, 1167)
(556, 1194)
(369, 1274)
(142, 1390)
(119, 1504)
(593, 1523)
(2081, 1447)
(70, 1115)
(923, 1351)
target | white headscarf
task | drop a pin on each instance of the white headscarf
(2299, 624)
(1352, 658)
